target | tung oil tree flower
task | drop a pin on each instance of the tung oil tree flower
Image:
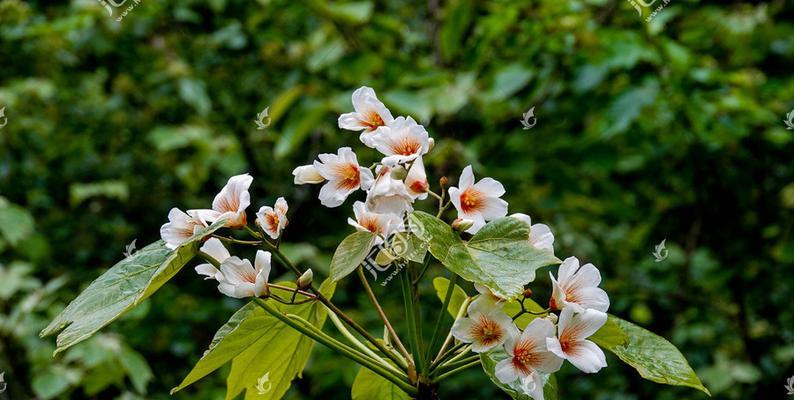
(483, 280)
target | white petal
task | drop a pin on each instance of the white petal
(568, 267)
(587, 275)
(350, 121)
(466, 178)
(331, 196)
(586, 356)
(541, 237)
(479, 222)
(490, 187)
(523, 218)
(234, 196)
(587, 323)
(245, 289)
(215, 249)
(461, 329)
(307, 174)
(494, 208)
(593, 298)
(506, 372)
(209, 271)
(366, 178)
(532, 385)
(236, 271)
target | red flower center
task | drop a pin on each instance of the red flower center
(472, 200)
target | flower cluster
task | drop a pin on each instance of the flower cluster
(545, 342)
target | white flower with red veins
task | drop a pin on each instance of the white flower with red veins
(540, 235)
(273, 220)
(370, 115)
(485, 328)
(180, 227)
(368, 221)
(416, 180)
(389, 195)
(577, 287)
(241, 279)
(401, 141)
(231, 202)
(487, 297)
(307, 174)
(572, 331)
(479, 202)
(343, 174)
(529, 354)
(215, 249)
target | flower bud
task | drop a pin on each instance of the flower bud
(443, 181)
(461, 224)
(527, 293)
(305, 280)
(399, 173)
(431, 144)
(307, 174)
(552, 318)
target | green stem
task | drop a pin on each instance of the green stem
(361, 346)
(237, 241)
(447, 298)
(448, 340)
(317, 335)
(349, 321)
(374, 300)
(454, 371)
(450, 365)
(414, 337)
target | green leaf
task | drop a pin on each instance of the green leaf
(371, 386)
(266, 368)
(610, 335)
(351, 253)
(16, 223)
(137, 369)
(489, 361)
(652, 356)
(357, 12)
(441, 285)
(121, 288)
(498, 256)
(451, 36)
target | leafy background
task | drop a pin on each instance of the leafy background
(670, 129)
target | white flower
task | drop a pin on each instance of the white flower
(273, 220)
(370, 115)
(577, 287)
(231, 202)
(180, 227)
(215, 249)
(479, 201)
(368, 221)
(401, 141)
(344, 176)
(540, 235)
(485, 327)
(572, 331)
(388, 195)
(416, 180)
(528, 354)
(532, 385)
(241, 279)
(307, 174)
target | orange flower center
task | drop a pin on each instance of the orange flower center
(524, 357)
(406, 146)
(349, 176)
(372, 121)
(472, 200)
(370, 224)
(487, 331)
(419, 186)
(271, 219)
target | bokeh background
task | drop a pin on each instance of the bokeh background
(646, 131)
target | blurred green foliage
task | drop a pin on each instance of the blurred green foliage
(670, 129)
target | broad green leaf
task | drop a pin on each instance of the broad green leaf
(441, 285)
(266, 368)
(653, 356)
(610, 335)
(16, 223)
(137, 369)
(121, 288)
(512, 308)
(350, 254)
(489, 361)
(371, 386)
(498, 256)
(354, 12)
(409, 247)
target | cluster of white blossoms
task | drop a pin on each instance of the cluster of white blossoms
(545, 342)
(236, 277)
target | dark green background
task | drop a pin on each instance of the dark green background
(670, 129)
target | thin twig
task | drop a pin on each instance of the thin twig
(392, 332)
